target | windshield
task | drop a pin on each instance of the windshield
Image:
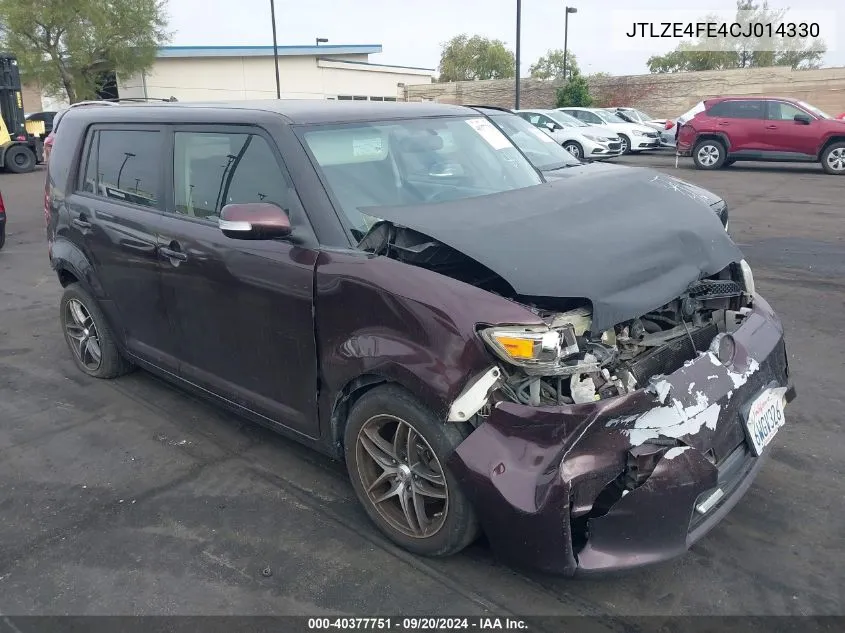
(642, 115)
(415, 162)
(607, 117)
(815, 110)
(566, 120)
(540, 148)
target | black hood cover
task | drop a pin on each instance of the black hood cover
(626, 242)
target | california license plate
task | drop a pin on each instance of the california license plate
(765, 418)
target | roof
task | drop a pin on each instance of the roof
(267, 51)
(303, 111)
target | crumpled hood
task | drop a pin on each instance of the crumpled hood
(628, 244)
(671, 182)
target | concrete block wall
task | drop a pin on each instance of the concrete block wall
(661, 95)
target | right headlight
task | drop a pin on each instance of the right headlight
(597, 139)
(537, 348)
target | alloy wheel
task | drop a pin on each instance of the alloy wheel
(708, 155)
(83, 335)
(624, 144)
(402, 477)
(574, 150)
(836, 159)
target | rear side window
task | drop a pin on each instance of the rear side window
(750, 109)
(213, 169)
(124, 166)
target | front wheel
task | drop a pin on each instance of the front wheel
(396, 452)
(708, 154)
(833, 159)
(574, 148)
(626, 144)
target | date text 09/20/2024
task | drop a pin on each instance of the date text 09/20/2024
(417, 624)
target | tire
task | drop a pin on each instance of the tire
(2, 234)
(19, 159)
(575, 149)
(626, 144)
(708, 154)
(833, 159)
(448, 524)
(83, 323)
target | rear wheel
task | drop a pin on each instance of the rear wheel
(19, 159)
(396, 452)
(833, 159)
(708, 154)
(574, 148)
(88, 336)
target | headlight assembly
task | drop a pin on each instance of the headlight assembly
(747, 277)
(537, 350)
(597, 139)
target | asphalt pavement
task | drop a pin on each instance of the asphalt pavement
(129, 497)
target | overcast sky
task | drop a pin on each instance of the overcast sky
(412, 31)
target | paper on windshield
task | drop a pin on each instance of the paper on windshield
(489, 133)
(367, 146)
(541, 135)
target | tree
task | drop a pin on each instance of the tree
(70, 46)
(550, 66)
(574, 93)
(742, 52)
(465, 58)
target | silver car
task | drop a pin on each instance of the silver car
(583, 141)
(635, 137)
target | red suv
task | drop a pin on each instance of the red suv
(729, 129)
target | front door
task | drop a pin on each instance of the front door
(784, 135)
(244, 309)
(115, 217)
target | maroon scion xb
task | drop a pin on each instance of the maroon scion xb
(581, 369)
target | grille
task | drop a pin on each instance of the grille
(714, 289)
(614, 145)
(672, 356)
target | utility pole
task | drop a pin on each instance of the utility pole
(518, 29)
(275, 48)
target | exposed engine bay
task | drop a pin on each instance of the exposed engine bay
(567, 362)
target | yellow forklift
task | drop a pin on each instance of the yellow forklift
(21, 141)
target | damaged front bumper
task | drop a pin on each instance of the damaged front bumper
(630, 480)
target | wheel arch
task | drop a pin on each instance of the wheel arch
(833, 138)
(71, 264)
(713, 136)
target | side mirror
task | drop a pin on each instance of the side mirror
(552, 126)
(253, 221)
(802, 118)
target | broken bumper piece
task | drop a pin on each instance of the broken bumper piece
(626, 481)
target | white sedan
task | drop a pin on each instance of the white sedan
(586, 142)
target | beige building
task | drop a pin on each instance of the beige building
(215, 73)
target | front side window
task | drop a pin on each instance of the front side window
(213, 169)
(123, 165)
(781, 111)
(566, 120)
(606, 117)
(414, 162)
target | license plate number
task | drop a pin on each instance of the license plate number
(765, 417)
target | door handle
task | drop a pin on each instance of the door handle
(81, 223)
(171, 254)
(723, 123)
(771, 127)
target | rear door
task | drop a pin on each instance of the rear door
(243, 308)
(742, 121)
(784, 135)
(115, 216)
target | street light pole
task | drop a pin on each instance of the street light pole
(518, 29)
(565, 36)
(275, 48)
